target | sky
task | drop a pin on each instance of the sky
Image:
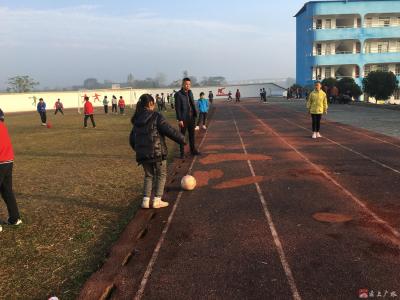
(61, 43)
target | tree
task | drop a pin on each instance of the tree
(160, 79)
(213, 81)
(21, 84)
(185, 74)
(91, 84)
(329, 82)
(380, 85)
(348, 86)
(130, 80)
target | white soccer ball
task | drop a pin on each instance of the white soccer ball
(188, 182)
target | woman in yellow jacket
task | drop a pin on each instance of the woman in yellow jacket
(317, 105)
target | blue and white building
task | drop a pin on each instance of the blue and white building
(347, 39)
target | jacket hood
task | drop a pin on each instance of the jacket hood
(144, 118)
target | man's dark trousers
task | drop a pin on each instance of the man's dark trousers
(7, 191)
(189, 125)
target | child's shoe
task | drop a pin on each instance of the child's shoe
(314, 135)
(158, 203)
(16, 223)
(197, 128)
(146, 202)
(318, 135)
(204, 127)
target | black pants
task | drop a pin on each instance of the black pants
(43, 117)
(202, 117)
(7, 191)
(316, 122)
(189, 125)
(58, 110)
(91, 119)
(114, 108)
(106, 109)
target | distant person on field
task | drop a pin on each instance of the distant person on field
(230, 96)
(237, 96)
(121, 105)
(105, 104)
(41, 109)
(264, 95)
(148, 141)
(89, 112)
(202, 104)
(317, 105)
(210, 97)
(163, 106)
(59, 107)
(114, 105)
(6, 173)
(261, 95)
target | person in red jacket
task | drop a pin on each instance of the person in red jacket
(121, 105)
(6, 167)
(88, 111)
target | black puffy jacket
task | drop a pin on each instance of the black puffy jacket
(147, 137)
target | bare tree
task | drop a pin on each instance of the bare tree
(21, 84)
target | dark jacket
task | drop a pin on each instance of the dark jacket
(147, 137)
(183, 103)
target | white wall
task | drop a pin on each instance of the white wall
(20, 102)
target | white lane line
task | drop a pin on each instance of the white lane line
(350, 149)
(364, 134)
(278, 244)
(150, 266)
(378, 219)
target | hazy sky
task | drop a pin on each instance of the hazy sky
(60, 43)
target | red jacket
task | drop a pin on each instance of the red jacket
(121, 103)
(6, 149)
(88, 108)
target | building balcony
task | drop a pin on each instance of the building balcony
(380, 58)
(380, 32)
(337, 59)
(338, 34)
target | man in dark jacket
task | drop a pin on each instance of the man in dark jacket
(186, 114)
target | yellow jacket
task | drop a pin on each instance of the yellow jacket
(317, 102)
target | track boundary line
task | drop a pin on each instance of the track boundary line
(349, 149)
(150, 266)
(278, 244)
(386, 225)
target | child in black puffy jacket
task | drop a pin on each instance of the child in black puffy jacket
(148, 141)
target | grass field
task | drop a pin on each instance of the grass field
(76, 190)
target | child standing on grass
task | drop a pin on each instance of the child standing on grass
(88, 111)
(147, 138)
(41, 109)
(317, 104)
(202, 104)
(6, 168)
(121, 105)
(59, 107)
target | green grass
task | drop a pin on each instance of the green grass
(76, 189)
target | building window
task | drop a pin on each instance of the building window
(383, 47)
(384, 21)
(319, 24)
(383, 68)
(398, 46)
(358, 22)
(367, 70)
(328, 24)
(368, 22)
(328, 49)
(328, 72)
(397, 70)
(319, 49)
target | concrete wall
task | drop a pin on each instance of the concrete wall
(20, 102)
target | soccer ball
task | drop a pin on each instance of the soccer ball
(188, 182)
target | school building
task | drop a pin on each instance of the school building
(347, 39)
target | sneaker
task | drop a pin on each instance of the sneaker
(1, 228)
(204, 127)
(314, 135)
(44, 124)
(318, 135)
(158, 203)
(197, 128)
(18, 222)
(146, 202)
